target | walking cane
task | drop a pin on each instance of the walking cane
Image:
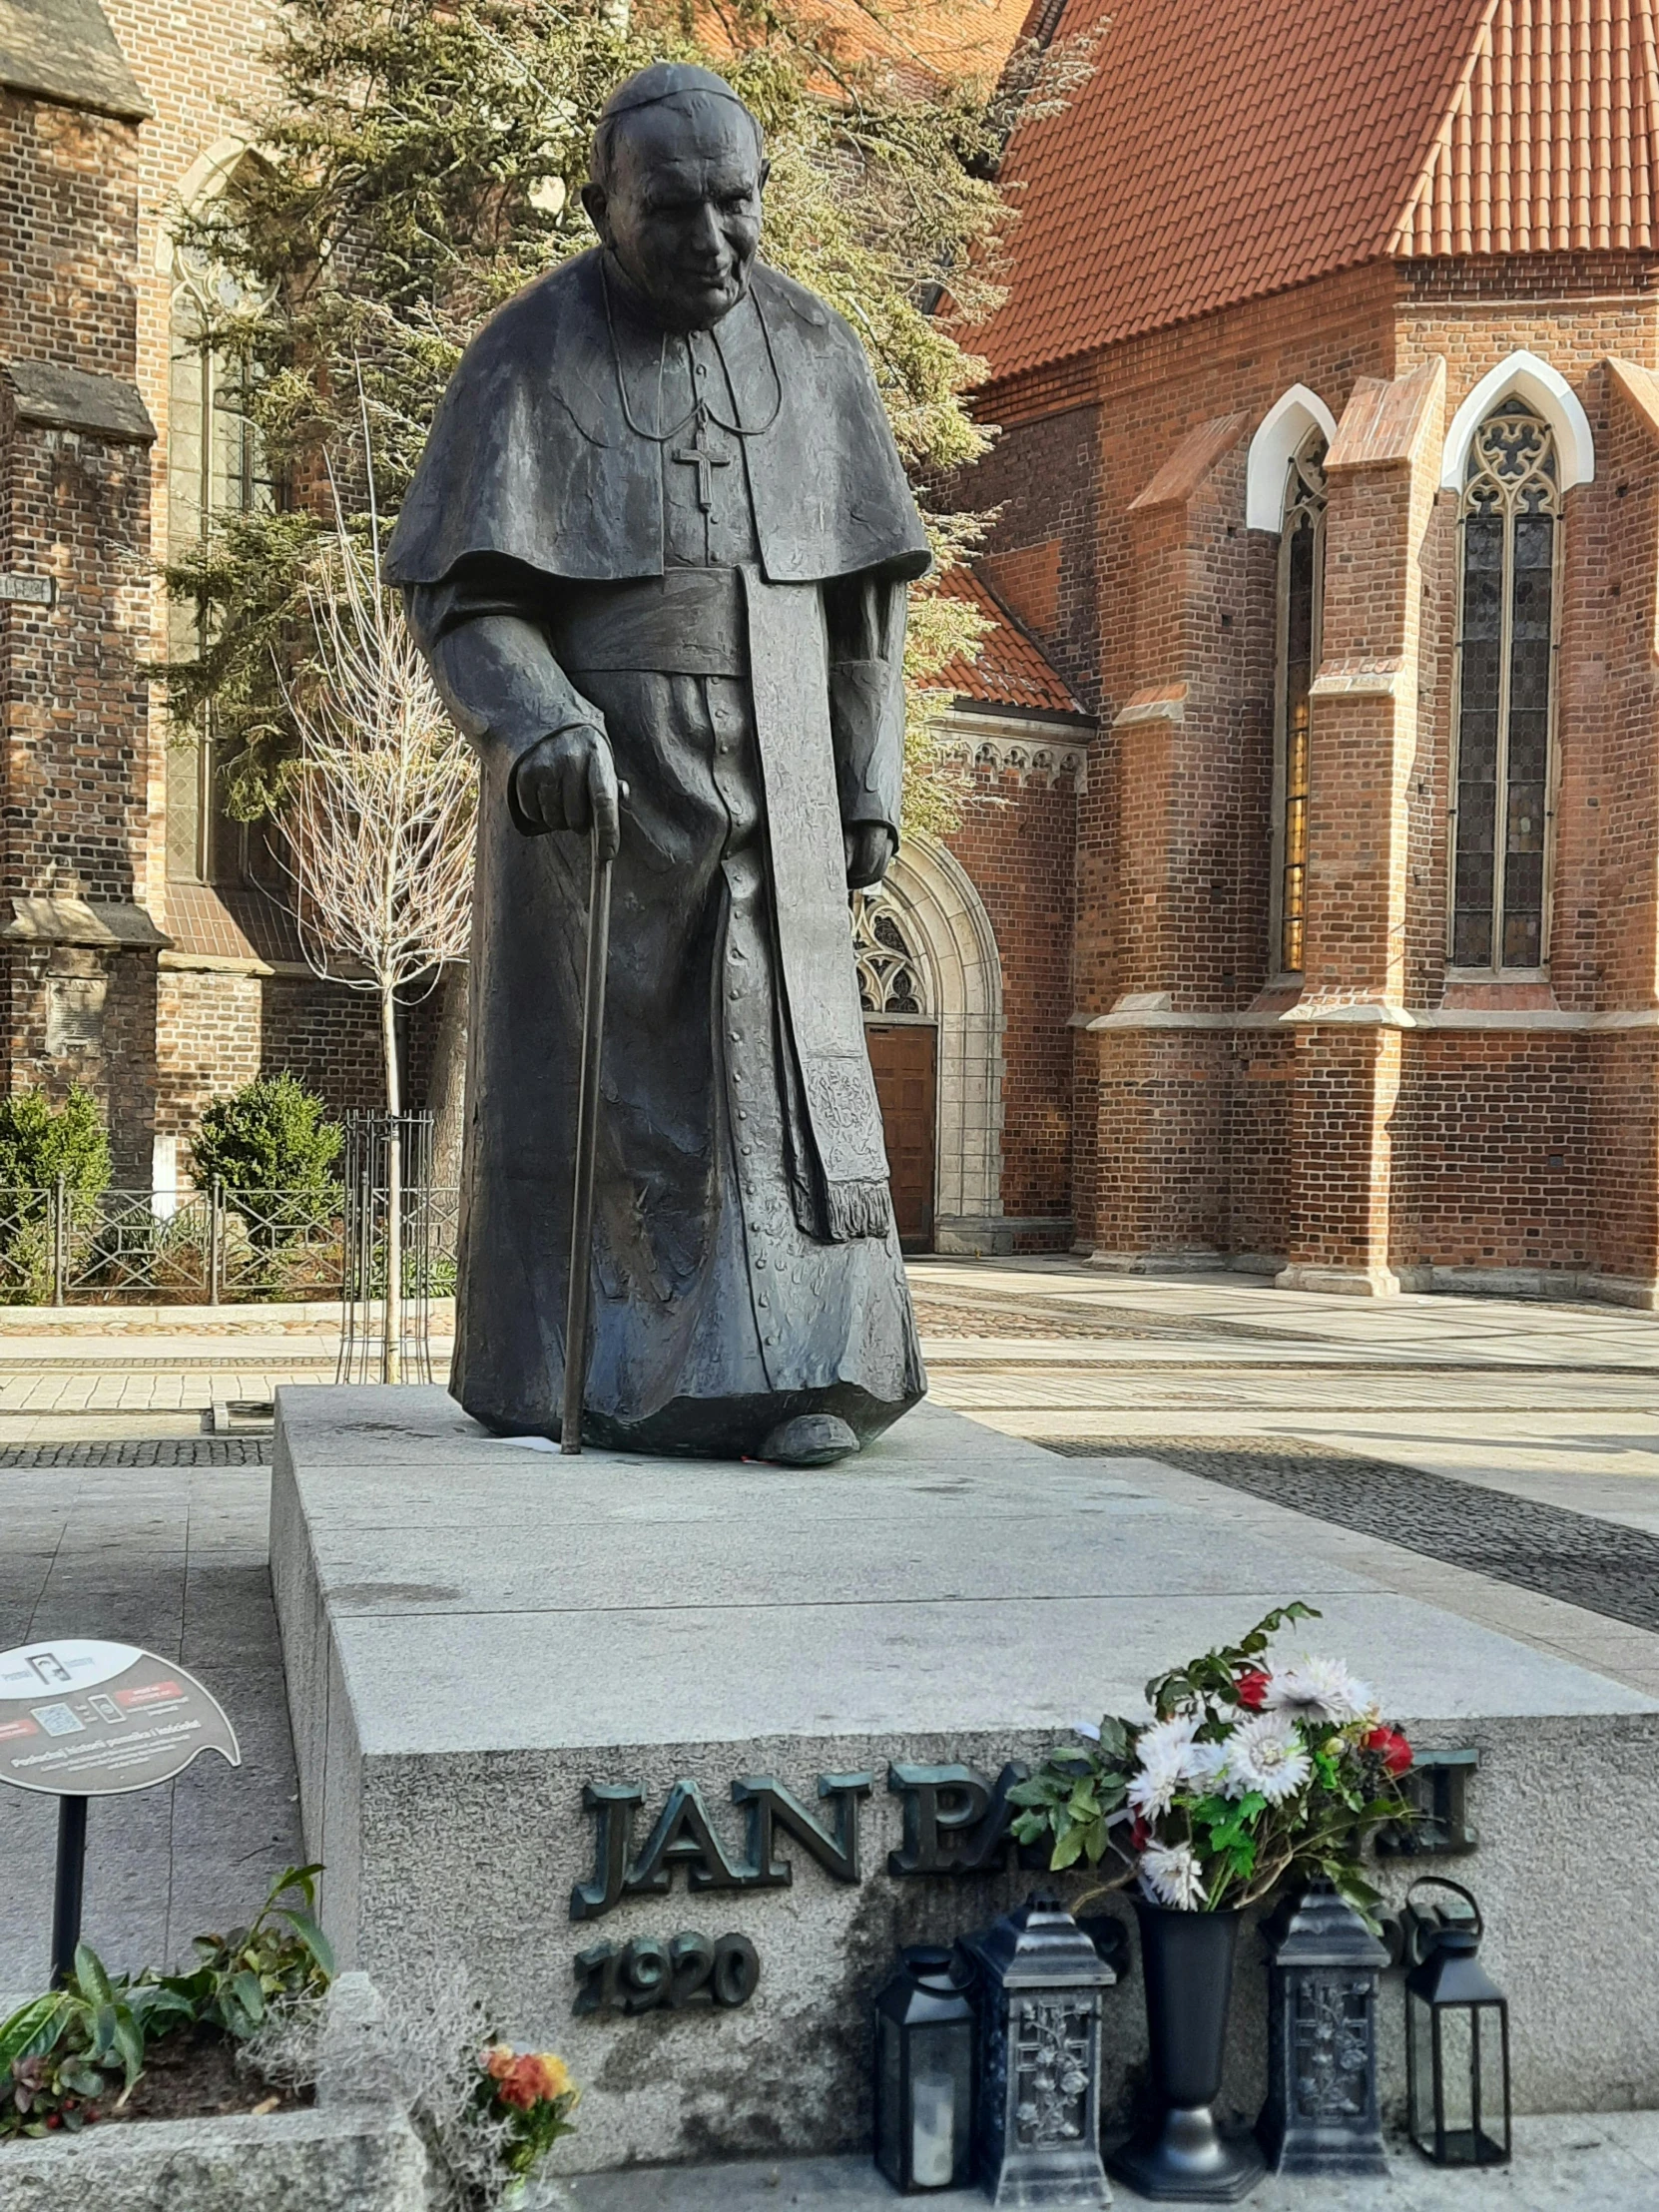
(587, 1145)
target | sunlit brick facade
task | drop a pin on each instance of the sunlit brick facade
(1424, 257)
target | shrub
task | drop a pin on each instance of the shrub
(274, 1138)
(40, 1142)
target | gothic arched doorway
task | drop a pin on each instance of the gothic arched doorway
(930, 984)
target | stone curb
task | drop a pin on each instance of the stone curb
(347, 2158)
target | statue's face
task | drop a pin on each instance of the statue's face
(681, 207)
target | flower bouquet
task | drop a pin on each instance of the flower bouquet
(1252, 1769)
(530, 2093)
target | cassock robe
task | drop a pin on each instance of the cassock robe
(699, 546)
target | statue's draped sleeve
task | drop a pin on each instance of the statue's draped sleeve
(482, 633)
(866, 617)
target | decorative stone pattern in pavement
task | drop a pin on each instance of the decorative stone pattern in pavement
(954, 1318)
(1606, 1567)
(966, 1316)
(144, 1451)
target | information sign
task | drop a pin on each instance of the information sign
(80, 1718)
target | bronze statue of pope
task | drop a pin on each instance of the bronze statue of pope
(661, 540)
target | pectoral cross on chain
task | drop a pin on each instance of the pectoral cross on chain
(699, 456)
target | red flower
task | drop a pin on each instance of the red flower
(1252, 1688)
(1139, 1834)
(1392, 1748)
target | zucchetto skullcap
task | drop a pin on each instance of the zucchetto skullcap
(664, 81)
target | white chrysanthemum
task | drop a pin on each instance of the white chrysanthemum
(1166, 1743)
(1169, 1875)
(1315, 1689)
(1202, 1767)
(1161, 1750)
(1266, 1754)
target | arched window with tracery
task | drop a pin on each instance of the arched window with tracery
(889, 974)
(214, 470)
(1301, 598)
(1509, 541)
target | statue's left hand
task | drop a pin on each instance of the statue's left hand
(869, 848)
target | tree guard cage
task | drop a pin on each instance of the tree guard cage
(393, 1237)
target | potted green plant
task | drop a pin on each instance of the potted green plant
(1253, 1772)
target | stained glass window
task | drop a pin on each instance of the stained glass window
(1301, 591)
(1505, 667)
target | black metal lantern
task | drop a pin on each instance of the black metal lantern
(1456, 2041)
(925, 2052)
(1321, 2115)
(1038, 2133)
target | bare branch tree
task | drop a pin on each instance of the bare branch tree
(379, 823)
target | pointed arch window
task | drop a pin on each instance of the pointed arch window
(1300, 602)
(889, 974)
(215, 469)
(1509, 534)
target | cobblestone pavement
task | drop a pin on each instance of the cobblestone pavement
(1596, 1565)
(144, 1451)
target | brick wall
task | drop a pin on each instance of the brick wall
(69, 186)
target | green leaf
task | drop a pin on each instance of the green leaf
(103, 2030)
(1114, 1739)
(90, 1976)
(246, 1988)
(33, 2029)
(1067, 1850)
(128, 2041)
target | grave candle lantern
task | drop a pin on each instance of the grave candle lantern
(925, 2074)
(1456, 2041)
(1039, 1990)
(1322, 2113)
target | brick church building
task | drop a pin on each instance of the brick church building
(1330, 484)
(1305, 916)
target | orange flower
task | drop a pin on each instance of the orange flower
(526, 2078)
(551, 2074)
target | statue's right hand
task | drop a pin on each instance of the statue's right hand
(568, 782)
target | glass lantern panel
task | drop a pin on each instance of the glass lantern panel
(1491, 2144)
(889, 2150)
(1455, 2035)
(1419, 2051)
(941, 2104)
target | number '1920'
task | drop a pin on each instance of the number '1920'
(685, 1970)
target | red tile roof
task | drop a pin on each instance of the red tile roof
(924, 41)
(936, 38)
(1549, 144)
(1011, 671)
(1227, 149)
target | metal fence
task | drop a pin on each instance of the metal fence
(218, 1246)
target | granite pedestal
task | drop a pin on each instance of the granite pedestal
(476, 1634)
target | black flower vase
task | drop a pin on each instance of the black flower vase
(1181, 2156)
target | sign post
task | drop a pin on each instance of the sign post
(81, 1719)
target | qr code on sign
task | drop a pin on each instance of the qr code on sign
(57, 1719)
